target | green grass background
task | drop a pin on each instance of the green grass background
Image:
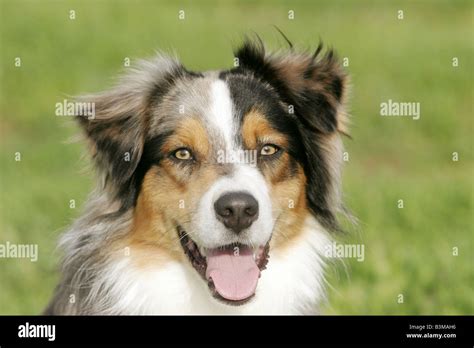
(407, 251)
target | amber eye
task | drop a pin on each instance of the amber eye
(269, 149)
(183, 154)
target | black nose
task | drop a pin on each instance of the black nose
(236, 210)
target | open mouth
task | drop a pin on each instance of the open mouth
(231, 271)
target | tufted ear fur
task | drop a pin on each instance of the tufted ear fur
(315, 87)
(116, 132)
(314, 84)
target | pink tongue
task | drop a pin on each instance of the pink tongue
(233, 272)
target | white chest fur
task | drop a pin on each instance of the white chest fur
(293, 283)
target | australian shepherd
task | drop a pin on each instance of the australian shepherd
(217, 191)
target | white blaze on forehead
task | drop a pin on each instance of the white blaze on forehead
(221, 113)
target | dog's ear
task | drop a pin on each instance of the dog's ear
(313, 85)
(116, 129)
(314, 88)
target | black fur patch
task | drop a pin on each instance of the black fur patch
(247, 93)
(152, 155)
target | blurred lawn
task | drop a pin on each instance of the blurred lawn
(408, 251)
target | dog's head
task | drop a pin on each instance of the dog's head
(218, 164)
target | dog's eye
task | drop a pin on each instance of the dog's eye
(183, 154)
(269, 149)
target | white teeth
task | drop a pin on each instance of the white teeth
(202, 250)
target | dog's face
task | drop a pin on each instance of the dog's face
(216, 165)
(225, 174)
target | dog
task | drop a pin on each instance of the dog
(217, 191)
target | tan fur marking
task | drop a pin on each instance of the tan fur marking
(189, 133)
(153, 235)
(288, 193)
(257, 128)
(290, 209)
